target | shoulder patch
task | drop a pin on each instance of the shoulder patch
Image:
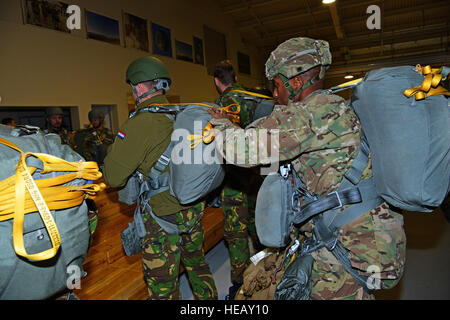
(121, 135)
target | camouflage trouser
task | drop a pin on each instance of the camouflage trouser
(162, 253)
(239, 210)
(376, 242)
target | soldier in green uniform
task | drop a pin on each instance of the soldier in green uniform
(320, 135)
(96, 138)
(138, 145)
(54, 124)
(237, 202)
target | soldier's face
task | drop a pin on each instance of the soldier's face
(280, 93)
(96, 122)
(55, 120)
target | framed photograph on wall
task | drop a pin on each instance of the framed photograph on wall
(135, 32)
(47, 14)
(243, 63)
(162, 42)
(183, 51)
(102, 28)
(198, 51)
(215, 48)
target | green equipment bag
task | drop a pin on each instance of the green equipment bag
(409, 139)
(22, 278)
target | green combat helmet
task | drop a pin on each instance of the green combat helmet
(54, 111)
(148, 69)
(296, 56)
(96, 114)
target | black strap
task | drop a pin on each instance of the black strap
(334, 200)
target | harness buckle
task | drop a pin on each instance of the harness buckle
(338, 198)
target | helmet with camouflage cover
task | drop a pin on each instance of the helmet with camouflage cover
(96, 114)
(148, 69)
(296, 56)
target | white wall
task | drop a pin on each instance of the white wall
(43, 67)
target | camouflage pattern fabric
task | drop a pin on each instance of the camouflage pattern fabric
(93, 142)
(235, 201)
(298, 55)
(247, 106)
(321, 136)
(65, 135)
(163, 252)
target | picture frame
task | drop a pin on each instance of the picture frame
(183, 51)
(162, 41)
(199, 58)
(47, 14)
(135, 32)
(102, 28)
(243, 63)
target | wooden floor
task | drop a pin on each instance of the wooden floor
(111, 275)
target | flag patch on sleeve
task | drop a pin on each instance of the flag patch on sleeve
(121, 135)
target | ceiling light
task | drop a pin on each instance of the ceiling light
(349, 76)
(328, 1)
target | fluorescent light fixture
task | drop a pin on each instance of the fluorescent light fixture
(349, 77)
(328, 1)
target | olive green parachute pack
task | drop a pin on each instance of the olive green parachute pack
(44, 227)
(194, 169)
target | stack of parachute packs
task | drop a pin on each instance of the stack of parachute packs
(38, 261)
(405, 116)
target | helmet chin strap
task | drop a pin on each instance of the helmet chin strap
(161, 84)
(294, 93)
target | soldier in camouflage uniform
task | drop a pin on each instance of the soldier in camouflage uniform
(239, 218)
(96, 138)
(320, 135)
(139, 143)
(54, 124)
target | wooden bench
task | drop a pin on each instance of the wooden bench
(111, 275)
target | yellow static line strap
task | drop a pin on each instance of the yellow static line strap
(208, 132)
(63, 197)
(350, 83)
(430, 85)
(253, 94)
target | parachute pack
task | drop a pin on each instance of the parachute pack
(194, 170)
(44, 229)
(405, 118)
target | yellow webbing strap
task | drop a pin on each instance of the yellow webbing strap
(430, 85)
(208, 132)
(43, 195)
(252, 94)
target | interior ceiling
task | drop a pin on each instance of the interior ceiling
(412, 31)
